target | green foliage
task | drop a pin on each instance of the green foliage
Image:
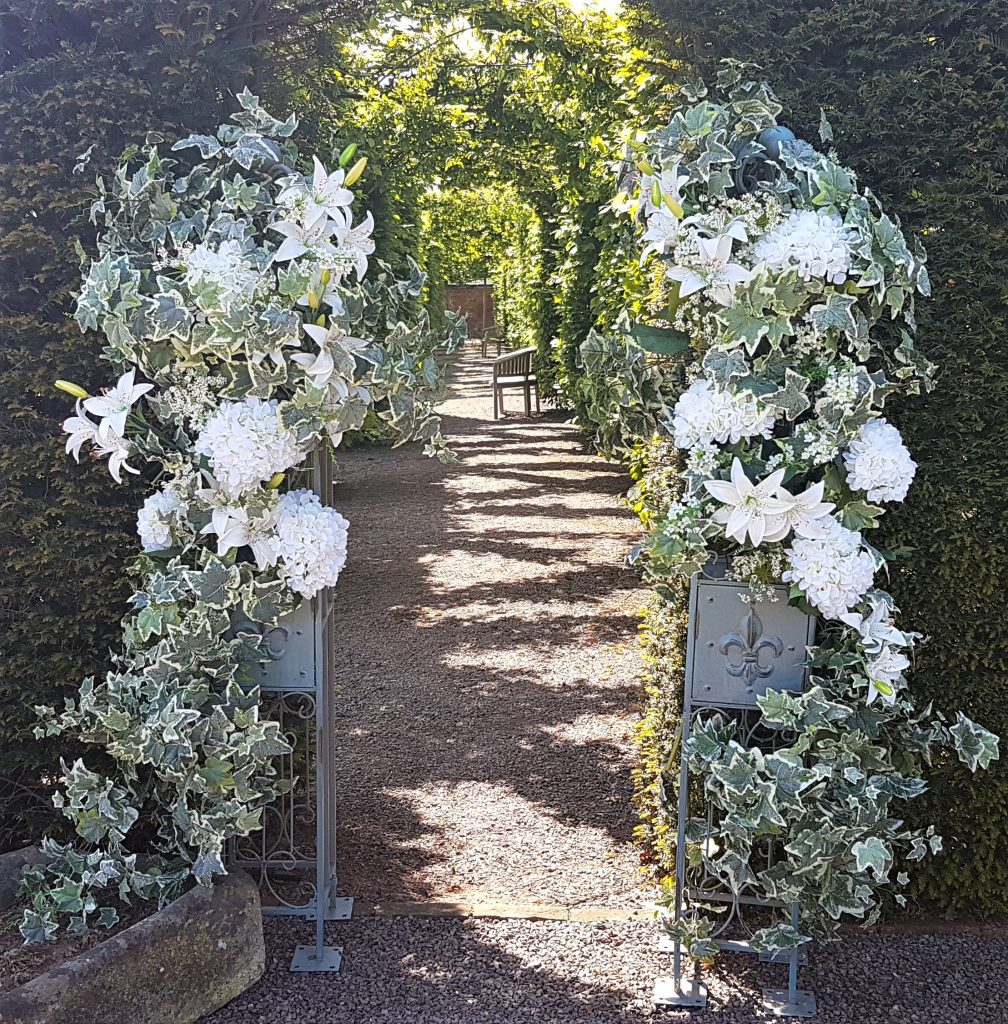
(518, 107)
(916, 97)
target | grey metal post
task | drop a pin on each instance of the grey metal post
(734, 653)
(298, 686)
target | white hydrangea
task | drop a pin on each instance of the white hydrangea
(153, 524)
(879, 463)
(311, 542)
(224, 268)
(247, 444)
(704, 415)
(813, 242)
(833, 570)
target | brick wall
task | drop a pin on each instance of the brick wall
(476, 300)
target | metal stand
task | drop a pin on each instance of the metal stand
(295, 863)
(731, 658)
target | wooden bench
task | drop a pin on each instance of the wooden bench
(514, 370)
(491, 336)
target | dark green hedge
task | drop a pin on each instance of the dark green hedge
(918, 97)
(74, 73)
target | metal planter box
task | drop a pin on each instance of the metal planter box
(736, 649)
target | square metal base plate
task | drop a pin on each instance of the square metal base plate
(339, 908)
(777, 1004)
(304, 959)
(689, 994)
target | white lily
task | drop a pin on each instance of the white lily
(807, 515)
(80, 429)
(884, 671)
(236, 529)
(669, 181)
(118, 452)
(715, 274)
(114, 405)
(662, 232)
(328, 193)
(303, 237)
(319, 366)
(355, 244)
(876, 628)
(752, 510)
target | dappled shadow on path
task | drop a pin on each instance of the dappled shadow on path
(485, 646)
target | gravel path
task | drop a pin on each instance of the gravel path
(435, 971)
(487, 643)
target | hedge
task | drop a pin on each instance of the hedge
(917, 95)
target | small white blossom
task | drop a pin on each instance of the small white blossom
(311, 542)
(153, 520)
(247, 444)
(879, 463)
(833, 571)
(813, 242)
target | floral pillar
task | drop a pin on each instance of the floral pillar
(792, 292)
(249, 333)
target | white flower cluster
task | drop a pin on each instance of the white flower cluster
(153, 520)
(192, 398)
(247, 444)
(311, 542)
(841, 384)
(813, 242)
(832, 570)
(705, 414)
(878, 462)
(225, 270)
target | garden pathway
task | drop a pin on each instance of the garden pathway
(486, 628)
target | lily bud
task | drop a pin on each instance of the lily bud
(356, 171)
(320, 322)
(326, 277)
(313, 300)
(348, 154)
(674, 207)
(275, 481)
(656, 194)
(645, 167)
(71, 389)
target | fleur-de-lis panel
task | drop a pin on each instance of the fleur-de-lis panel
(738, 650)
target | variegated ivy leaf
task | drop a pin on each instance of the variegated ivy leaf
(215, 584)
(792, 399)
(777, 939)
(835, 314)
(207, 145)
(975, 745)
(722, 366)
(872, 855)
